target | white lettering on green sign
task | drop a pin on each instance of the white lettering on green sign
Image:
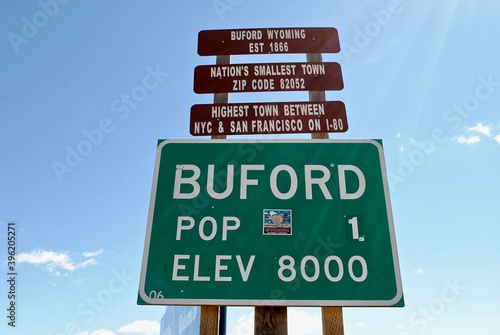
(245, 181)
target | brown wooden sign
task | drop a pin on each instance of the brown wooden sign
(268, 77)
(268, 41)
(268, 118)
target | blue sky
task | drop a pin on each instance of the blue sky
(422, 76)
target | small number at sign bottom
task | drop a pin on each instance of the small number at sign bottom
(156, 295)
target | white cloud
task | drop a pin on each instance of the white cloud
(89, 254)
(301, 322)
(468, 140)
(98, 332)
(361, 324)
(56, 262)
(102, 332)
(145, 327)
(497, 138)
(419, 271)
(245, 325)
(481, 128)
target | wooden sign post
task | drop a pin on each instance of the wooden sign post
(270, 320)
(211, 315)
(333, 323)
(209, 320)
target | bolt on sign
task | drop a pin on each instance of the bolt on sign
(277, 222)
(268, 77)
(268, 118)
(268, 41)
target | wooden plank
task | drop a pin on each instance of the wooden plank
(221, 98)
(209, 320)
(210, 315)
(333, 323)
(317, 95)
(270, 320)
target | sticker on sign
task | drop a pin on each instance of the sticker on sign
(287, 223)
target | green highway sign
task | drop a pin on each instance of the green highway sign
(275, 222)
